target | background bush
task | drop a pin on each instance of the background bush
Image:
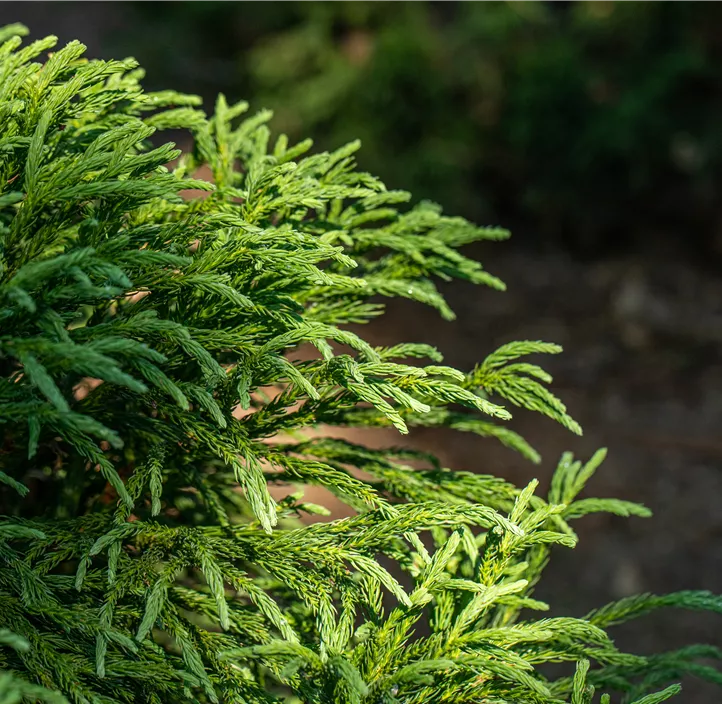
(591, 122)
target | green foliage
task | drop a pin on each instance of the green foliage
(588, 121)
(155, 424)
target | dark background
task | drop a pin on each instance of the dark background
(592, 130)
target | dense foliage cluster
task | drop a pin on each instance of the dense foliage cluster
(593, 122)
(167, 344)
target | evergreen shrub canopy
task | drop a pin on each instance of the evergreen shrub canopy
(148, 401)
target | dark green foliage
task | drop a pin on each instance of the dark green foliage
(149, 401)
(593, 121)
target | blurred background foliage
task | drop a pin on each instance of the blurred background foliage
(589, 124)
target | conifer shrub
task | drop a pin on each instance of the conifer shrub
(149, 399)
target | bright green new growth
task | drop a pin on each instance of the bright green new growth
(143, 557)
